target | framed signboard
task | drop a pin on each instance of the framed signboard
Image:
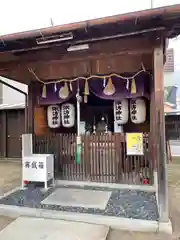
(134, 143)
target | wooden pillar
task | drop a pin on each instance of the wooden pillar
(30, 117)
(158, 131)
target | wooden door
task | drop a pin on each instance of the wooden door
(2, 134)
(15, 128)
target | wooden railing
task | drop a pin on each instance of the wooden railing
(103, 158)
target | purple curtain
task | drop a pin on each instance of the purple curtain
(96, 87)
(142, 82)
(52, 96)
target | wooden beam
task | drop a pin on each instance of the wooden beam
(56, 62)
(159, 131)
(72, 58)
(83, 67)
(123, 46)
(61, 53)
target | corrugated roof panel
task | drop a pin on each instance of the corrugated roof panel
(12, 106)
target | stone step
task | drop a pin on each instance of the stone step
(49, 229)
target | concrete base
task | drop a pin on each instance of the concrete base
(78, 198)
(108, 185)
(11, 160)
(113, 222)
(165, 227)
(38, 228)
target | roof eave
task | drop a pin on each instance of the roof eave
(167, 11)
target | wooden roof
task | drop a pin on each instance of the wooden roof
(165, 18)
(137, 30)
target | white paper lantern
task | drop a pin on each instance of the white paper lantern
(68, 115)
(121, 111)
(138, 110)
(53, 116)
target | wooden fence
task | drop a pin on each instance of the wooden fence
(103, 158)
(172, 127)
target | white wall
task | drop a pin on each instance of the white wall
(10, 96)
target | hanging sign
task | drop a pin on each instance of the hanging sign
(121, 112)
(138, 110)
(118, 128)
(134, 143)
(53, 116)
(68, 115)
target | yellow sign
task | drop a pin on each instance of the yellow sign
(134, 143)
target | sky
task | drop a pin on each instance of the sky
(21, 15)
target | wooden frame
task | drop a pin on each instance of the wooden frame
(158, 129)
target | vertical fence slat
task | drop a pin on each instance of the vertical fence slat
(103, 158)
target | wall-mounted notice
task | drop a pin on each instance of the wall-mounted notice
(134, 143)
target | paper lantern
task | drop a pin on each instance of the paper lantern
(121, 111)
(53, 116)
(138, 110)
(68, 115)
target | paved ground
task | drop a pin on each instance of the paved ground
(38, 228)
(4, 221)
(10, 177)
(174, 197)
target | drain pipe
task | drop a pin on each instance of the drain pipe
(26, 101)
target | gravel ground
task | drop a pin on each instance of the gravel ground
(122, 203)
(174, 211)
(10, 174)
